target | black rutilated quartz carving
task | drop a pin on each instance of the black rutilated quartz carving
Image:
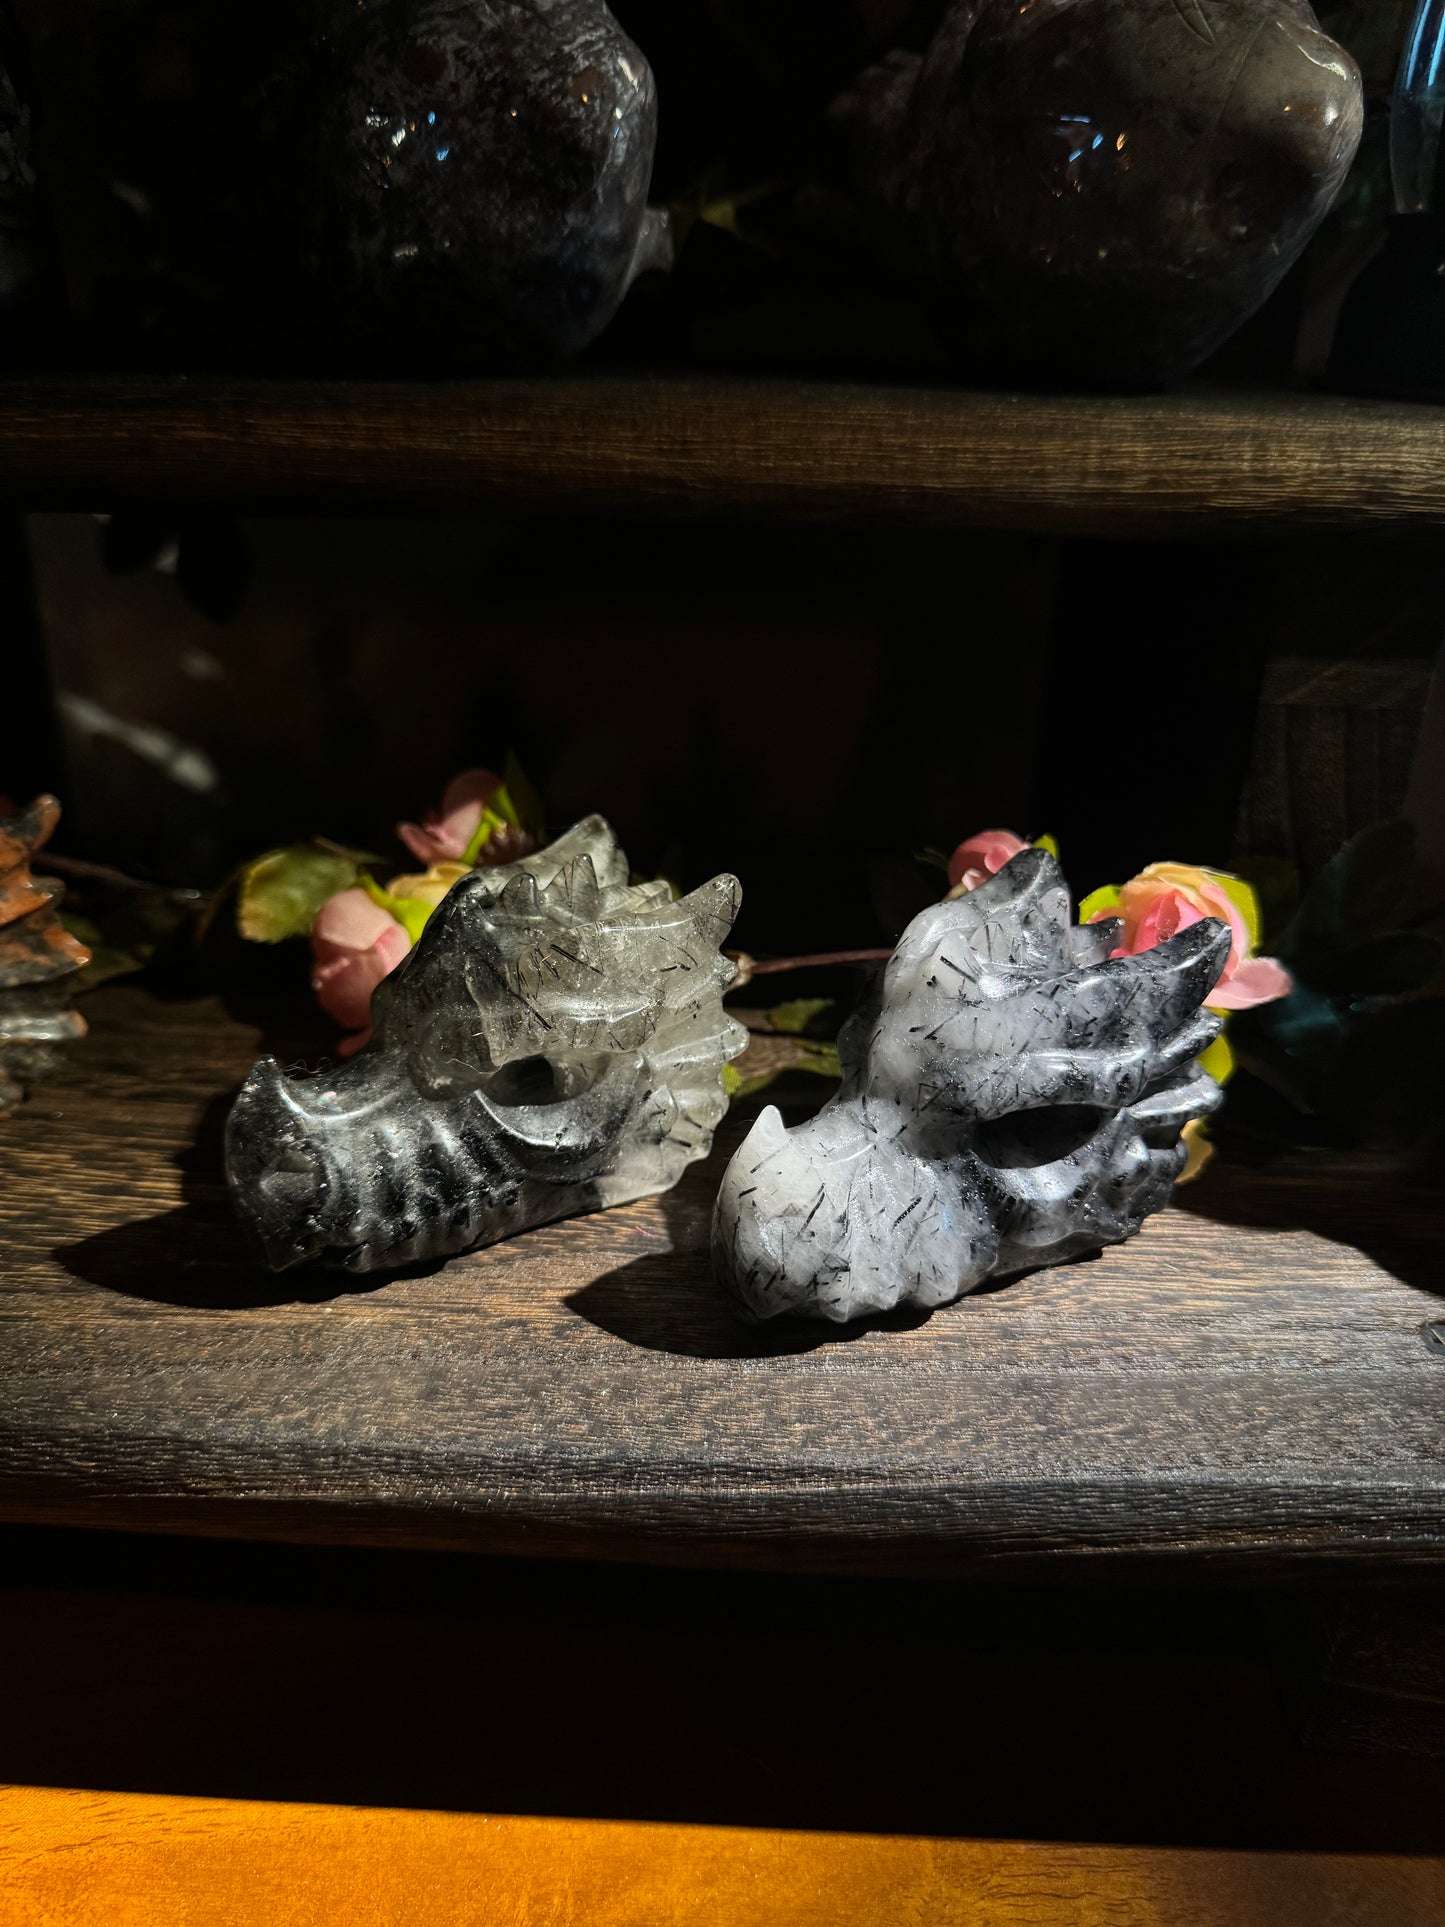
(1011, 1098)
(554, 1044)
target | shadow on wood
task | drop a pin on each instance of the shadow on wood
(195, 1257)
(1349, 1201)
(664, 1305)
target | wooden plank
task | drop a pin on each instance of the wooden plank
(73, 1858)
(1235, 1387)
(1197, 462)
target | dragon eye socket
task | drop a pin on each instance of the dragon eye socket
(531, 1081)
(1044, 1136)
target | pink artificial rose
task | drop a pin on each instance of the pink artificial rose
(1167, 898)
(355, 944)
(446, 834)
(982, 857)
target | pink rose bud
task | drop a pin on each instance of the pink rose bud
(446, 833)
(1166, 898)
(982, 857)
(354, 944)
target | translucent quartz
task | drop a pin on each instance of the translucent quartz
(478, 173)
(1101, 191)
(554, 1044)
(1011, 1098)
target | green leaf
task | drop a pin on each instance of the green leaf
(125, 929)
(1241, 895)
(1305, 1026)
(105, 966)
(820, 1060)
(526, 805)
(280, 893)
(500, 814)
(513, 805)
(410, 912)
(1102, 902)
(708, 202)
(798, 1018)
(1218, 1060)
(363, 859)
(107, 960)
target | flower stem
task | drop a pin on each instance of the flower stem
(83, 872)
(777, 966)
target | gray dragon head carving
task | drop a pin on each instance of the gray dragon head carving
(1011, 1098)
(554, 1044)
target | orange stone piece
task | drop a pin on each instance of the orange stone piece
(37, 953)
(35, 946)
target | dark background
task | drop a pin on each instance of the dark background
(1305, 1717)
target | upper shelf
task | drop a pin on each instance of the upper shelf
(1192, 463)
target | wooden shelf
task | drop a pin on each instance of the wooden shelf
(78, 1855)
(1248, 1385)
(1198, 462)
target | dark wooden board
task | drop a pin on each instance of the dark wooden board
(1247, 1385)
(1198, 462)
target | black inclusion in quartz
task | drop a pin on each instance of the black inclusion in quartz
(1013, 1096)
(541, 1052)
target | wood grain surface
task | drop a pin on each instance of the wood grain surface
(71, 1859)
(1250, 1384)
(1201, 461)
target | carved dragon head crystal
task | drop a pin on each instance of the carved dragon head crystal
(554, 1044)
(1011, 1098)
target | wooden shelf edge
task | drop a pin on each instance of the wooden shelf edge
(1198, 462)
(1342, 1551)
